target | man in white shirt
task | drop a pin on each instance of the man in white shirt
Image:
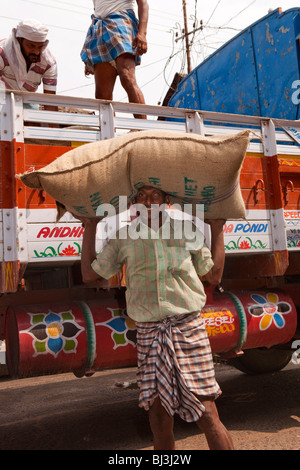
(113, 46)
(25, 60)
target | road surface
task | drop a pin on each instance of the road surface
(64, 412)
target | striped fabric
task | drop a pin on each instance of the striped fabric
(44, 71)
(105, 7)
(161, 274)
(175, 364)
(109, 37)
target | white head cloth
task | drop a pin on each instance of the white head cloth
(32, 30)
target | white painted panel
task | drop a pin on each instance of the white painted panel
(46, 215)
(56, 232)
(10, 250)
(253, 235)
(54, 250)
(292, 222)
(278, 229)
(247, 244)
(2, 352)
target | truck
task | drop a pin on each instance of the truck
(256, 73)
(50, 322)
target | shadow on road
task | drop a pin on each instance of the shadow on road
(63, 412)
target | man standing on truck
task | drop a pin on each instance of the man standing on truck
(113, 46)
(164, 297)
(25, 60)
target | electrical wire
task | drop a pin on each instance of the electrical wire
(154, 26)
(89, 84)
(54, 6)
(244, 9)
(87, 9)
(200, 41)
(213, 12)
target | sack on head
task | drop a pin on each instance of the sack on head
(191, 168)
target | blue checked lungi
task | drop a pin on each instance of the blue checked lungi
(109, 37)
(175, 364)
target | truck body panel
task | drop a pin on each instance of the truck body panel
(40, 279)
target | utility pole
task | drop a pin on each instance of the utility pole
(187, 44)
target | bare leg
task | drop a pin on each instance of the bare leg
(126, 70)
(161, 426)
(105, 78)
(218, 438)
(161, 423)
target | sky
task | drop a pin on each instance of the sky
(68, 22)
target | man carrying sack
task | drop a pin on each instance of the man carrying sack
(164, 297)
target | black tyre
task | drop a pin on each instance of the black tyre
(261, 360)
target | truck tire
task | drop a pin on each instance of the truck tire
(261, 360)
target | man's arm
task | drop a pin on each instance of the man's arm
(2, 64)
(49, 84)
(140, 41)
(214, 276)
(49, 107)
(88, 251)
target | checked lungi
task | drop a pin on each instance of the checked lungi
(175, 364)
(109, 37)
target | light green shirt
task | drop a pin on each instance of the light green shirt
(161, 272)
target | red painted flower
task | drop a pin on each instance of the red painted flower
(244, 245)
(69, 251)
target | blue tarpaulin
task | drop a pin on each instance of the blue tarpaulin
(255, 73)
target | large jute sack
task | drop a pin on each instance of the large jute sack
(191, 168)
